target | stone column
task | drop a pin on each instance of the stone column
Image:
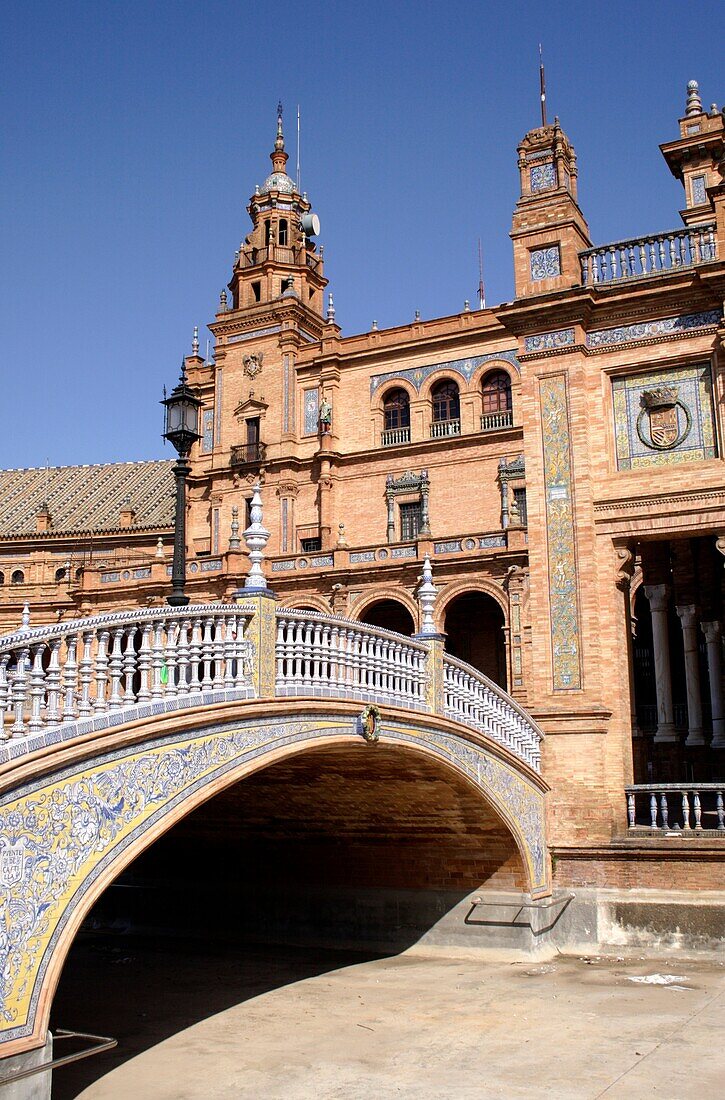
(688, 617)
(713, 639)
(658, 596)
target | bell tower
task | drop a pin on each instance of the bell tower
(279, 256)
(549, 230)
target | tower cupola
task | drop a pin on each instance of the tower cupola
(549, 229)
(279, 257)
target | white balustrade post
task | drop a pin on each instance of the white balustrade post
(658, 596)
(53, 681)
(115, 666)
(713, 640)
(256, 537)
(20, 688)
(70, 669)
(688, 618)
(37, 688)
(101, 673)
(85, 674)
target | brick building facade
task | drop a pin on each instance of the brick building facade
(557, 456)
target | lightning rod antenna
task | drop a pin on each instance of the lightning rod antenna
(542, 86)
(481, 289)
(298, 149)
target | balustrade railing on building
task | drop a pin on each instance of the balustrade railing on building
(471, 698)
(392, 436)
(52, 676)
(326, 656)
(441, 428)
(491, 422)
(676, 807)
(649, 255)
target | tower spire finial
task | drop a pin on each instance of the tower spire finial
(693, 106)
(279, 140)
(542, 86)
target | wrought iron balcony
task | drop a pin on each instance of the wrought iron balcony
(650, 255)
(392, 436)
(491, 422)
(441, 428)
(248, 454)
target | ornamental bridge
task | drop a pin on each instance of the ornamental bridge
(117, 727)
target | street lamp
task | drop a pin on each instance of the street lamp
(182, 418)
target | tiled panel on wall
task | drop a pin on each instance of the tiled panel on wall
(664, 417)
(558, 488)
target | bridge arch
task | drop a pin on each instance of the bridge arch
(68, 832)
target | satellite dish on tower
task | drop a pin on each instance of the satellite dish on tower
(310, 225)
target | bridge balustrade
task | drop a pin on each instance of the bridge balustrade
(474, 700)
(316, 654)
(53, 676)
(96, 672)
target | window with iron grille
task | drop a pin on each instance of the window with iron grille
(520, 498)
(410, 520)
(311, 545)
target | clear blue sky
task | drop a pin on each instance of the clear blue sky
(134, 133)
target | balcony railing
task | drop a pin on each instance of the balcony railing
(441, 428)
(491, 422)
(247, 454)
(677, 807)
(392, 436)
(651, 255)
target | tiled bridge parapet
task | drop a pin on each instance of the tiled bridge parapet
(121, 726)
(70, 679)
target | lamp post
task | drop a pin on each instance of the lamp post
(182, 417)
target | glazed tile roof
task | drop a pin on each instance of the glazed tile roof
(87, 498)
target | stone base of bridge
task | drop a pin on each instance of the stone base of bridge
(34, 1087)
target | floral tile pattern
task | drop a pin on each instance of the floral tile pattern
(563, 592)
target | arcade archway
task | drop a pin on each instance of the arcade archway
(389, 614)
(474, 627)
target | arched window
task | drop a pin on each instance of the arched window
(446, 402)
(61, 574)
(283, 231)
(496, 392)
(2, 578)
(396, 408)
(18, 577)
(267, 231)
(79, 571)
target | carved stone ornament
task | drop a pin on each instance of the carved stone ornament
(624, 567)
(253, 363)
(664, 421)
(370, 724)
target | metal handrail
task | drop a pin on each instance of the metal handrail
(102, 1043)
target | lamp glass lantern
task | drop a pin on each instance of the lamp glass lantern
(182, 417)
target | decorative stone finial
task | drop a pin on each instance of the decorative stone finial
(25, 617)
(417, 315)
(195, 341)
(279, 140)
(256, 537)
(330, 309)
(289, 287)
(374, 326)
(341, 540)
(160, 547)
(693, 106)
(427, 593)
(466, 306)
(234, 543)
(223, 301)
